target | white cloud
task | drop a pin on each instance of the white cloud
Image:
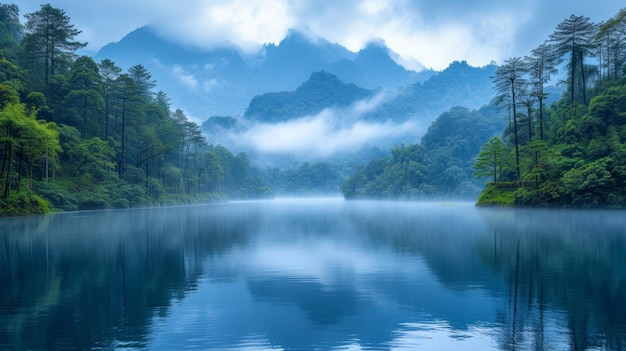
(186, 79)
(209, 85)
(432, 32)
(209, 23)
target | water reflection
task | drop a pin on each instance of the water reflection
(315, 274)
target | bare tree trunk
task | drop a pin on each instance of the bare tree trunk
(19, 169)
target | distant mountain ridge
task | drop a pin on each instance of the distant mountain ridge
(458, 85)
(222, 81)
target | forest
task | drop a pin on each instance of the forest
(570, 152)
(76, 134)
(439, 167)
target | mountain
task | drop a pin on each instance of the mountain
(200, 82)
(292, 61)
(408, 110)
(377, 69)
(223, 80)
(320, 91)
(440, 166)
(458, 85)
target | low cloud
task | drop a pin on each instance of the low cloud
(332, 131)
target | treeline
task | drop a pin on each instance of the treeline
(440, 166)
(573, 153)
(80, 134)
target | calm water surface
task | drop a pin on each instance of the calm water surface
(322, 274)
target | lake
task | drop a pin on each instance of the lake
(315, 274)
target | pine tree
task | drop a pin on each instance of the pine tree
(51, 35)
(490, 159)
(508, 82)
(109, 72)
(574, 36)
(541, 65)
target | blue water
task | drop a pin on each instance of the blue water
(315, 274)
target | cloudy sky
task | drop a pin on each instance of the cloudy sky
(431, 32)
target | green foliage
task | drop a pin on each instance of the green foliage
(49, 42)
(306, 179)
(497, 196)
(580, 162)
(491, 159)
(23, 204)
(88, 136)
(440, 167)
(590, 185)
(57, 194)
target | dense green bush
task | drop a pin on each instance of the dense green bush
(23, 203)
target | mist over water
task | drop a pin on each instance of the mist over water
(324, 273)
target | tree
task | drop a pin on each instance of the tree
(143, 80)
(128, 102)
(490, 161)
(611, 42)
(527, 100)
(26, 139)
(10, 115)
(574, 36)
(109, 73)
(50, 36)
(8, 95)
(211, 173)
(85, 96)
(163, 101)
(11, 30)
(541, 65)
(39, 140)
(508, 82)
(12, 75)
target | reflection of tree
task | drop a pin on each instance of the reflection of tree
(84, 280)
(559, 268)
(563, 266)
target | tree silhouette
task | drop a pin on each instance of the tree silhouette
(574, 36)
(508, 82)
(541, 65)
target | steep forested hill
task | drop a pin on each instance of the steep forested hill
(573, 153)
(321, 91)
(458, 85)
(441, 166)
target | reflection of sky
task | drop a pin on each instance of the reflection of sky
(304, 287)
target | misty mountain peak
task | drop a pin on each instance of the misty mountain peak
(376, 44)
(298, 36)
(308, 43)
(320, 91)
